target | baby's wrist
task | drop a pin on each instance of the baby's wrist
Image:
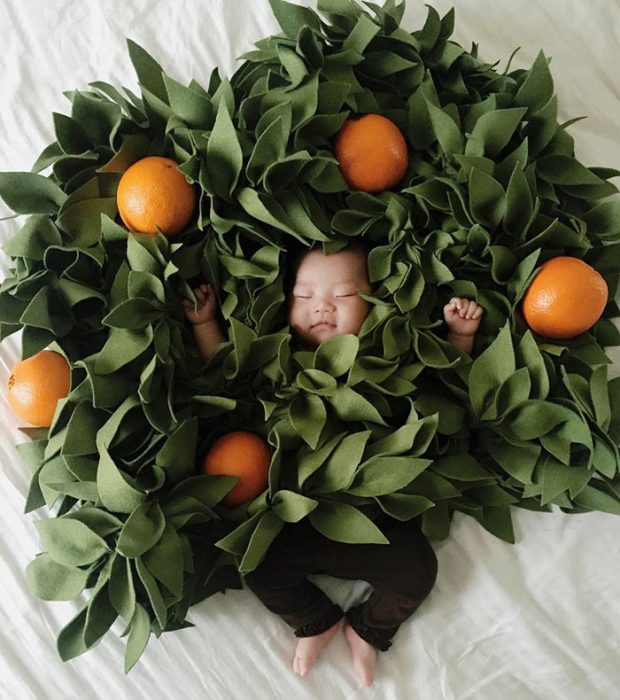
(207, 323)
(456, 334)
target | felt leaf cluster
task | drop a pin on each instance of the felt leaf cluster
(394, 422)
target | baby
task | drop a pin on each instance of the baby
(326, 303)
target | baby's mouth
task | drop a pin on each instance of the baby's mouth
(323, 324)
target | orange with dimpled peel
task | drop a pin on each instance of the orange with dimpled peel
(36, 385)
(566, 298)
(241, 454)
(372, 153)
(153, 193)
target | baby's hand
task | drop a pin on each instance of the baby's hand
(462, 316)
(207, 306)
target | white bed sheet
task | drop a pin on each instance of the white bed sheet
(537, 620)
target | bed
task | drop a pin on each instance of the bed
(539, 619)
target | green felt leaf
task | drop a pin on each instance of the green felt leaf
(45, 311)
(446, 130)
(404, 506)
(141, 531)
(413, 437)
(293, 17)
(292, 507)
(49, 580)
(537, 88)
(70, 135)
(266, 531)
(153, 592)
(293, 64)
(461, 467)
(594, 497)
(139, 633)
(338, 470)
(178, 455)
(436, 522)
(34, 238)
(535, 418)
(495, 129)
(116, 491)
(70, 641)
(100, 616)
(600, 396)
(207, 490)
(121, 589)
(28, 193)
(336, 355)
(150, 74)
(345, 523)
(224, 156)
(310, 460)
(316, 381)
(519, 203)
(564, 170)
(384, 475)
(237, 541)
(165, 561)
(98, 117)
(487, 199)
(604, 219)
(70, 542)
(517, 460)
(188, 104)
(493, 366)
(308, 415)
(529, 356)
(361, 35)
(497, 520)
(450, 415)
(97, 519)
(123, 346)
(351, 406)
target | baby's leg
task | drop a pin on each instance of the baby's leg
(281, 584)
(402, 574)
(363, 655)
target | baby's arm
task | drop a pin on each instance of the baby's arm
(463, 318)
(207, 331)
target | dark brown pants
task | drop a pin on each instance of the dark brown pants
(402, 574)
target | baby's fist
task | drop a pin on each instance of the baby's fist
(462, 316)
(206, 306)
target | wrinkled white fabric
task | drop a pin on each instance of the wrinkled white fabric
(535, 620)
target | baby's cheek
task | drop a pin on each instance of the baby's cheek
(356, 314)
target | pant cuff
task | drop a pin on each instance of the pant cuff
(378, 638)
(320, 626)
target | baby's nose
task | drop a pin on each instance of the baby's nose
(324, 304)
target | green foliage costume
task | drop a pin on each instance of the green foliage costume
(395, 421)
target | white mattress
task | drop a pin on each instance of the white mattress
(540, 619)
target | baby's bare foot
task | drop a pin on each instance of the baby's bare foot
(308, 648)
(363, 656)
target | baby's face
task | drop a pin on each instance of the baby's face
(325, 299)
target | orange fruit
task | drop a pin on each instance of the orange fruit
(241, 454)
(566, 298)
(153, 193)
(371, 152)
(36, 385)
